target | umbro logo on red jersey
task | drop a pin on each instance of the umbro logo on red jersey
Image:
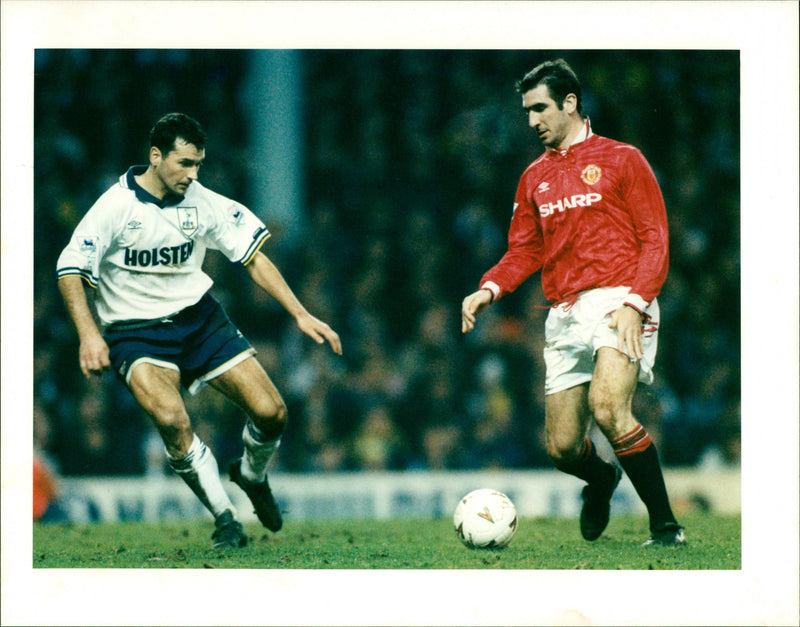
(543, 187)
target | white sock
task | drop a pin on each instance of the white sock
(198, 468)
(257, 453)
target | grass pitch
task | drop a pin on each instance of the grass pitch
(540, 543)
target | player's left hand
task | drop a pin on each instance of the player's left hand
(628, 323)
(471, 306)
(319, 331)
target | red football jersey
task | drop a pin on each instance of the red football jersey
(590, 217)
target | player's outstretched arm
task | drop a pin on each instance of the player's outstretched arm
(472, 306)
(269, 278)
(93, 352)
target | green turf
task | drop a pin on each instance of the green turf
(542, 543)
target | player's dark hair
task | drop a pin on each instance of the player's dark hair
(560, 79)
(174, 125)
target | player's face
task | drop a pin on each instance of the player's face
(179, 168)
(551, 124)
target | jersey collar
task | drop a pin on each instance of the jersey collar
(584, 134)
(142, 195)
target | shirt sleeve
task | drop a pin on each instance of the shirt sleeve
(525, 248)
(87, 246)
(238, 232)
(646, 205)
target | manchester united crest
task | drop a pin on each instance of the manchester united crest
(591, 174)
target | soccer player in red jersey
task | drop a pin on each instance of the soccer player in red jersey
(590, 215)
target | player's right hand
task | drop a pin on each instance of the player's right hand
(93, 356)
(472, 306)
(319, 331)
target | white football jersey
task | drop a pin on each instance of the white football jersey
(145, 256)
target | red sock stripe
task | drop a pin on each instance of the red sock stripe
(634, 442)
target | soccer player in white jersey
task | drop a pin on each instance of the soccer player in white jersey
(141, 246)
(589, 214)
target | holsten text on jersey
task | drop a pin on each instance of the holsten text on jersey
(164, 256)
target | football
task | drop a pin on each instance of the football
(485, 519)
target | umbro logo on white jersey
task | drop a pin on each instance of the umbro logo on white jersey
(543, 187)
(134, 225)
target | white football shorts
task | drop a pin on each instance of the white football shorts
(573, 334)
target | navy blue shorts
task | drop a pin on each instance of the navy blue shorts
(200, 342)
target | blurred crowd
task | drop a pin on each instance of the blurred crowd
(411, 160)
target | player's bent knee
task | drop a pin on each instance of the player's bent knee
(614, 422)
(176, 433)
(604, 416)
(282, 415)
(270, 417)
(606, 410)
(563, 452)
(174, 429)
(280, 418)
(171, 418)
(169, 409)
